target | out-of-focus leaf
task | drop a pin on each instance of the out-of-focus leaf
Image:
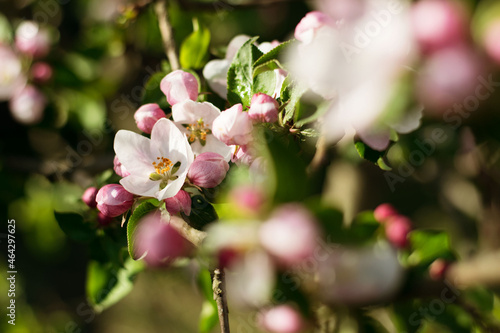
(141, 210)
(406, 317)
(5, 30)
(291, 92)
(481, 298)
(152, 91)
(194, 49)
(108, 283)
(202, 213)
(372, 155)
(428, 245)
(75, 227)
(209, 315)
(240, 74)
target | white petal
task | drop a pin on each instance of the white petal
(172, 188)
(213, 145)
(215, 72)
(134, 152)
(189, 112)
(140, 185)
(409, 122)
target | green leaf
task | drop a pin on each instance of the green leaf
(406, 318)
(194, 49)
(372, 155)
(481, 298)
(264, 83)
(240, 74)
(321, 110)
(209, 315)
(202, 213)
(291, 92)
(268, 66)
(274, 54)
(108, 283)
(289, 170)
(75, 227)
(142, 210)
(428, 245)
(152, 92)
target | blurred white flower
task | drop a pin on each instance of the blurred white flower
(12, 78)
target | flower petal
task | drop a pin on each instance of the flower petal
(140, 185)
(133, 151)
(189, 112)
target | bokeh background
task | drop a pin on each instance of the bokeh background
(103, 53)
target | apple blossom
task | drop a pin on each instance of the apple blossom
(281, 319)
(397, 229)
(160, 241)
(147, 115)
(290, 234)
(27, 105)
(195, 120)
(181, 202)
(233, 126)
(263, 108)
(310, 24)
(113, 200)
(384, 211)
(32, 39)
(490, 40)
(157, 166)
(41, 72)
(439, 24)
(89, 197)
(208, 170)
(119, 168)
(11, 73)
(179, 86)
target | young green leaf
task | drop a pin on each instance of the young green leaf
(274, 54)
(202, 213)
(75, 227)
(194, 49)
(141, 211)
(240, 74)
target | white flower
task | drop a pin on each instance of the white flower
(195, 121)
(157, 166)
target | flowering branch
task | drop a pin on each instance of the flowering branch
(219, 288)
(166, 34)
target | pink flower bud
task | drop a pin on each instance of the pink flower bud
(27, 105)
(179, 86)
(180, 202)
(233, 126)
(32, 40)
(147, 115)
(397, 229)
(491, 38)
(113, 200)
(248, 198)
(438, 24)
(290, 234)
(41, 72)
(104, 220)
(89, 197)
(310, 24)
(437, 269)
(119, 168)
(384, 211)
(208, 170)
(281, 319)
(243, 155)
(11, 73)
(263, 108)
(162, 242)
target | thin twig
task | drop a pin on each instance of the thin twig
(166, 34)
(219, 288)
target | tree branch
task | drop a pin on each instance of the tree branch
(166, 34)
(219, 288)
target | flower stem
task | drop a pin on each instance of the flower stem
(166, 34)
(219, 288)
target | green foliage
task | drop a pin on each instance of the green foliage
(291, 92)
(152, 92)
(107, 283)
(142, 210)
(264, 83)
(194, 49)
(428, 246)
(240, 74)
(274, 54)
(209, 316)
(75, 227)
(372, 155)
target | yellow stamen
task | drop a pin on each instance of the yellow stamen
(163, 166)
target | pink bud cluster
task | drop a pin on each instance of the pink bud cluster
(397, 227)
